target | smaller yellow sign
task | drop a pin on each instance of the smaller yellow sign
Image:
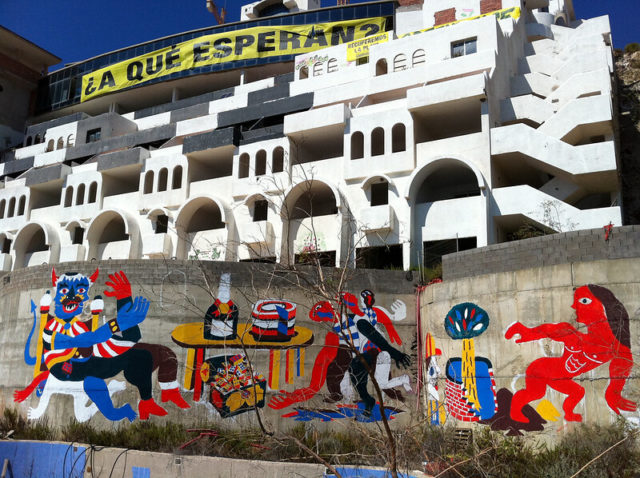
(360, 48)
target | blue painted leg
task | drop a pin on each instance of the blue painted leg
(97, 391)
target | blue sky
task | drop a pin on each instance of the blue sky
(76, 30)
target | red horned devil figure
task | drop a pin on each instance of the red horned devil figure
(607, 340)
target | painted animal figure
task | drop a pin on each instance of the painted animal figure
(607, 341)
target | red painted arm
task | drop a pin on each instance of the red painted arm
(388, 325)
(619, 371)
(318, 376)
(561, 332)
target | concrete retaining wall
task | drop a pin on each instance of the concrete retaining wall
(536, 296)
(180, 292)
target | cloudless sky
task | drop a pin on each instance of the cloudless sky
(76, 30)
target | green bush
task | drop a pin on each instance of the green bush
(632, 47)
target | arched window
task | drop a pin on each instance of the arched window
(70, 140)
(418, 57)
(318, 68)
(400, 62)
(93, 192)
(37, 139)
(357, 145)
(176, 180)
(162, 179)
(68, 196)
(80, 195)
(377, 142)
(3, 204)
(304, 72)
(21, 205)
(148, 183)
(380, 193)
(381, 67)
(243, 169)
(261, 163)
(60, 143)
(277, 159)
(12, 207)
(332, 65)
(29, 141)
(398, 138)
(50, 145)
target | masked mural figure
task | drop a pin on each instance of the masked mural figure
(72, 350)
(607, 340)
(336, 357)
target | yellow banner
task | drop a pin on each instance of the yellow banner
(513, 12)
(360, 48)
(256, 42)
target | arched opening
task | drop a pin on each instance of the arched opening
(381, 67)
(31, 246)
(357, 145)
(162, 179)
(68, 196)
(277, 159)
(317, 199)
(148, 183)
(377, 142)
(400, 62)
(304, 72)
(80, 195)
(398, 138)
(261, 163)
(452, 180)
(379, 193)
(12, 207)
(37, 139)
(561, 22)
(111, 236)
(70, 140)
(93, 192)
(60, 144)
(5, 244)
(332, 65)
(3, 205)
(50, 145)
(202, 231)
(418, 57)
(318, 68)
(243, 167)
(21, 205)
(29, 141)
(176, 180)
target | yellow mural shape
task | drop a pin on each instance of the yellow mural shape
(547, 411)
(469, 372)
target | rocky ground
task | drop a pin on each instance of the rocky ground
(628, 79)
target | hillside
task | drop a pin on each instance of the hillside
(628, 73)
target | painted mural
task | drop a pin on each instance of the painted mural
(235, 360)
(471, 396)
(356, 335)
(76, 356)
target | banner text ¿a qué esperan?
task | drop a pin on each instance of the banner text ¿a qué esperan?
(256, 42)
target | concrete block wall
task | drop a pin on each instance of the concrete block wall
(578, 246)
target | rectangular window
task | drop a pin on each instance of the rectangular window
(162, 224)
(78, 235)
(380, 193)
(464, 47)
(260, 211)
(6, 246)
(93, 135)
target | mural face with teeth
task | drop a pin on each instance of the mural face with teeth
(72, 291)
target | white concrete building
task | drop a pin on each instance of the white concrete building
(451, 137)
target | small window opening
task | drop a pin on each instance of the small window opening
(357, 145)
(80, 195)
(380, 193)
(463, 47)
(162, 224)
(261, 163)
(278, 160)
(93, 135)
(377, 142)
(260, 210)
(77, 235)
(6, 245)
(148, 183)
(162, 179)
(176, 181)
(243, 170)
(381, 67)
(93, 192)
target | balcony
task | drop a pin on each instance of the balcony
(378, 218)
(157, 246)
(260, 232)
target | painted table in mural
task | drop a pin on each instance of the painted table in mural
(191, 337)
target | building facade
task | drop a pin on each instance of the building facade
(461, 123)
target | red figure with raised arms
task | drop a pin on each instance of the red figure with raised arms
(607, 340)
